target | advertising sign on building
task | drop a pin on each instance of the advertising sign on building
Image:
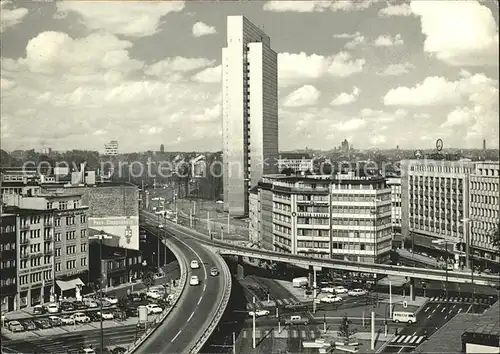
(124, 228)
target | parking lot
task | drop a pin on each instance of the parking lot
(73, 316)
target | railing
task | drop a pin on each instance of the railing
(179, 290)
(219, 312)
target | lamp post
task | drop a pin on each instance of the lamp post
(445, 242)
(158, 244)
(101, 236)
(469, 250)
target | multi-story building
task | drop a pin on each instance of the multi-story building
(65, 236)
(434, 203)
(249, 110)
(111, 148)
(324, 216)
(198, 166)
(296, 162)
(20, 182)
(395, 184)
(8, 262)
(484, 213)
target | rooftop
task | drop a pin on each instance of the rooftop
(488, 322)
(294, 156)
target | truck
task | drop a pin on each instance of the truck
(300, 282)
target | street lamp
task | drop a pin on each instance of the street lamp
(469, 250)
(101, 236)
(445, 242)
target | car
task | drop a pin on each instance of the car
(54, 320)
(91, 304)
(170, 298)
(88, 351)
(52, 308)
(106, 315)
(43, 324)
(118, 350)
(195, 264)
(29, 325)
(296, 306)
(328, 289)
(330, 299)
(67, 307)
(38, 310)
(214, 272)
(79, 305)
(94, 316)
(15, 326)
(154, 294)
(112, 299)
(136, 297)
(67, 320)
(154, 309)
(80, 317)
(194, 280)
(357, 292)
(259, 313)
(296, 320)
(161, 226)
(340, 290)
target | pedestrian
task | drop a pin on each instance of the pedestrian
(396, 332)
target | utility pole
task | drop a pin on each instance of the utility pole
(373, 331)
(390, 299)
(314, 289)
(253, 324)
(234, 343)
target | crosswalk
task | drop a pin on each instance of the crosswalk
(459, 300)
(285, 333)
(406, 340)
(272, 303)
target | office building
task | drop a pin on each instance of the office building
(343, 217)
(484, 213)
(8, 262)
(395, 184)
(111, 148)
(250, 111)
(439, 198)
(295, 162)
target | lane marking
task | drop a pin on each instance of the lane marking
(415, 333)
(427, 309)
(429, 316)
(459, 310)
(434, 310)
(177, 335)
(469, 308)
(190, 317)
(445, 317)
(443, 310)
(204, 287)
(199, 300)
(400, 350)
(454, 306)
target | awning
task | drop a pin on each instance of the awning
(69, 284)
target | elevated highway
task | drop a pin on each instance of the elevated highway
(188, 323)
(384, 269)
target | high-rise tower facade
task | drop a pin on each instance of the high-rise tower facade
(250, 111)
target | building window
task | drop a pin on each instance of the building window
(63, 205)
(70, 249)
(70, 264)
(83, 262)
(58, 237)
(83, 233)
(57, 252)
(58, 267)
(57, 222)
(70, 235)
(83, 247)
(83, 219)
(50, 205)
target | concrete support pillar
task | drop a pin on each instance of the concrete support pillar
(412, 289)
(240, 271)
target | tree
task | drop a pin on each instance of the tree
(496, 237)
(148, 279)
(345, 331)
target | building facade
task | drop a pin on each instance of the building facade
(8, 262)
(250, 111)
(343, 217)
(111, 148)
(395, 184)
(296, 162)
(484, 213)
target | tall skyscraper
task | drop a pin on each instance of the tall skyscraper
(250, 111)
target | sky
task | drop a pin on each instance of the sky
(77, 74)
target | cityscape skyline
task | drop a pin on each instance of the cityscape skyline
(174, 89)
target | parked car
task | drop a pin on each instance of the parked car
(112, 299)
(55, 320)
(87, 351)
(67, 320)
(154, 309)
(94, 316)
(52, 308)
(154, 294)
(194, 280)
(67, 307)
(79, 305)
(259, 313)
(38, 310)
(43, 324)
(328, 289)
(357, 292)
(29, 325)
(118, 350)
(136, 297)
(331, 299)
(214, 272)
(340, 290)
(80, 317)
(15, 326)
(106, 315)
(296, 320)
(195, 264)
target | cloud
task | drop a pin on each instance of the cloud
(396, 69)
(211, 114)
(343, 65)
(379, 117)
(388, 41)
(7, 84)
(177, 64)
(466, 36)
(350, 125)
(209, 75)
(294, 68)
(132, 19)
(306, 95)
(99, 132)
(396, 10)
(347, 35)
(202, 29)
(346, 98)
(356, 41)
(378, 139)
(316, 6)
(10, 17)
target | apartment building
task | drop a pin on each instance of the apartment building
(8, 262)
(394, 183)
(296, 162)
(343, 217)
(111, 148)
(249, 110)
(484, 212)
(20, 182)
(435, 201)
